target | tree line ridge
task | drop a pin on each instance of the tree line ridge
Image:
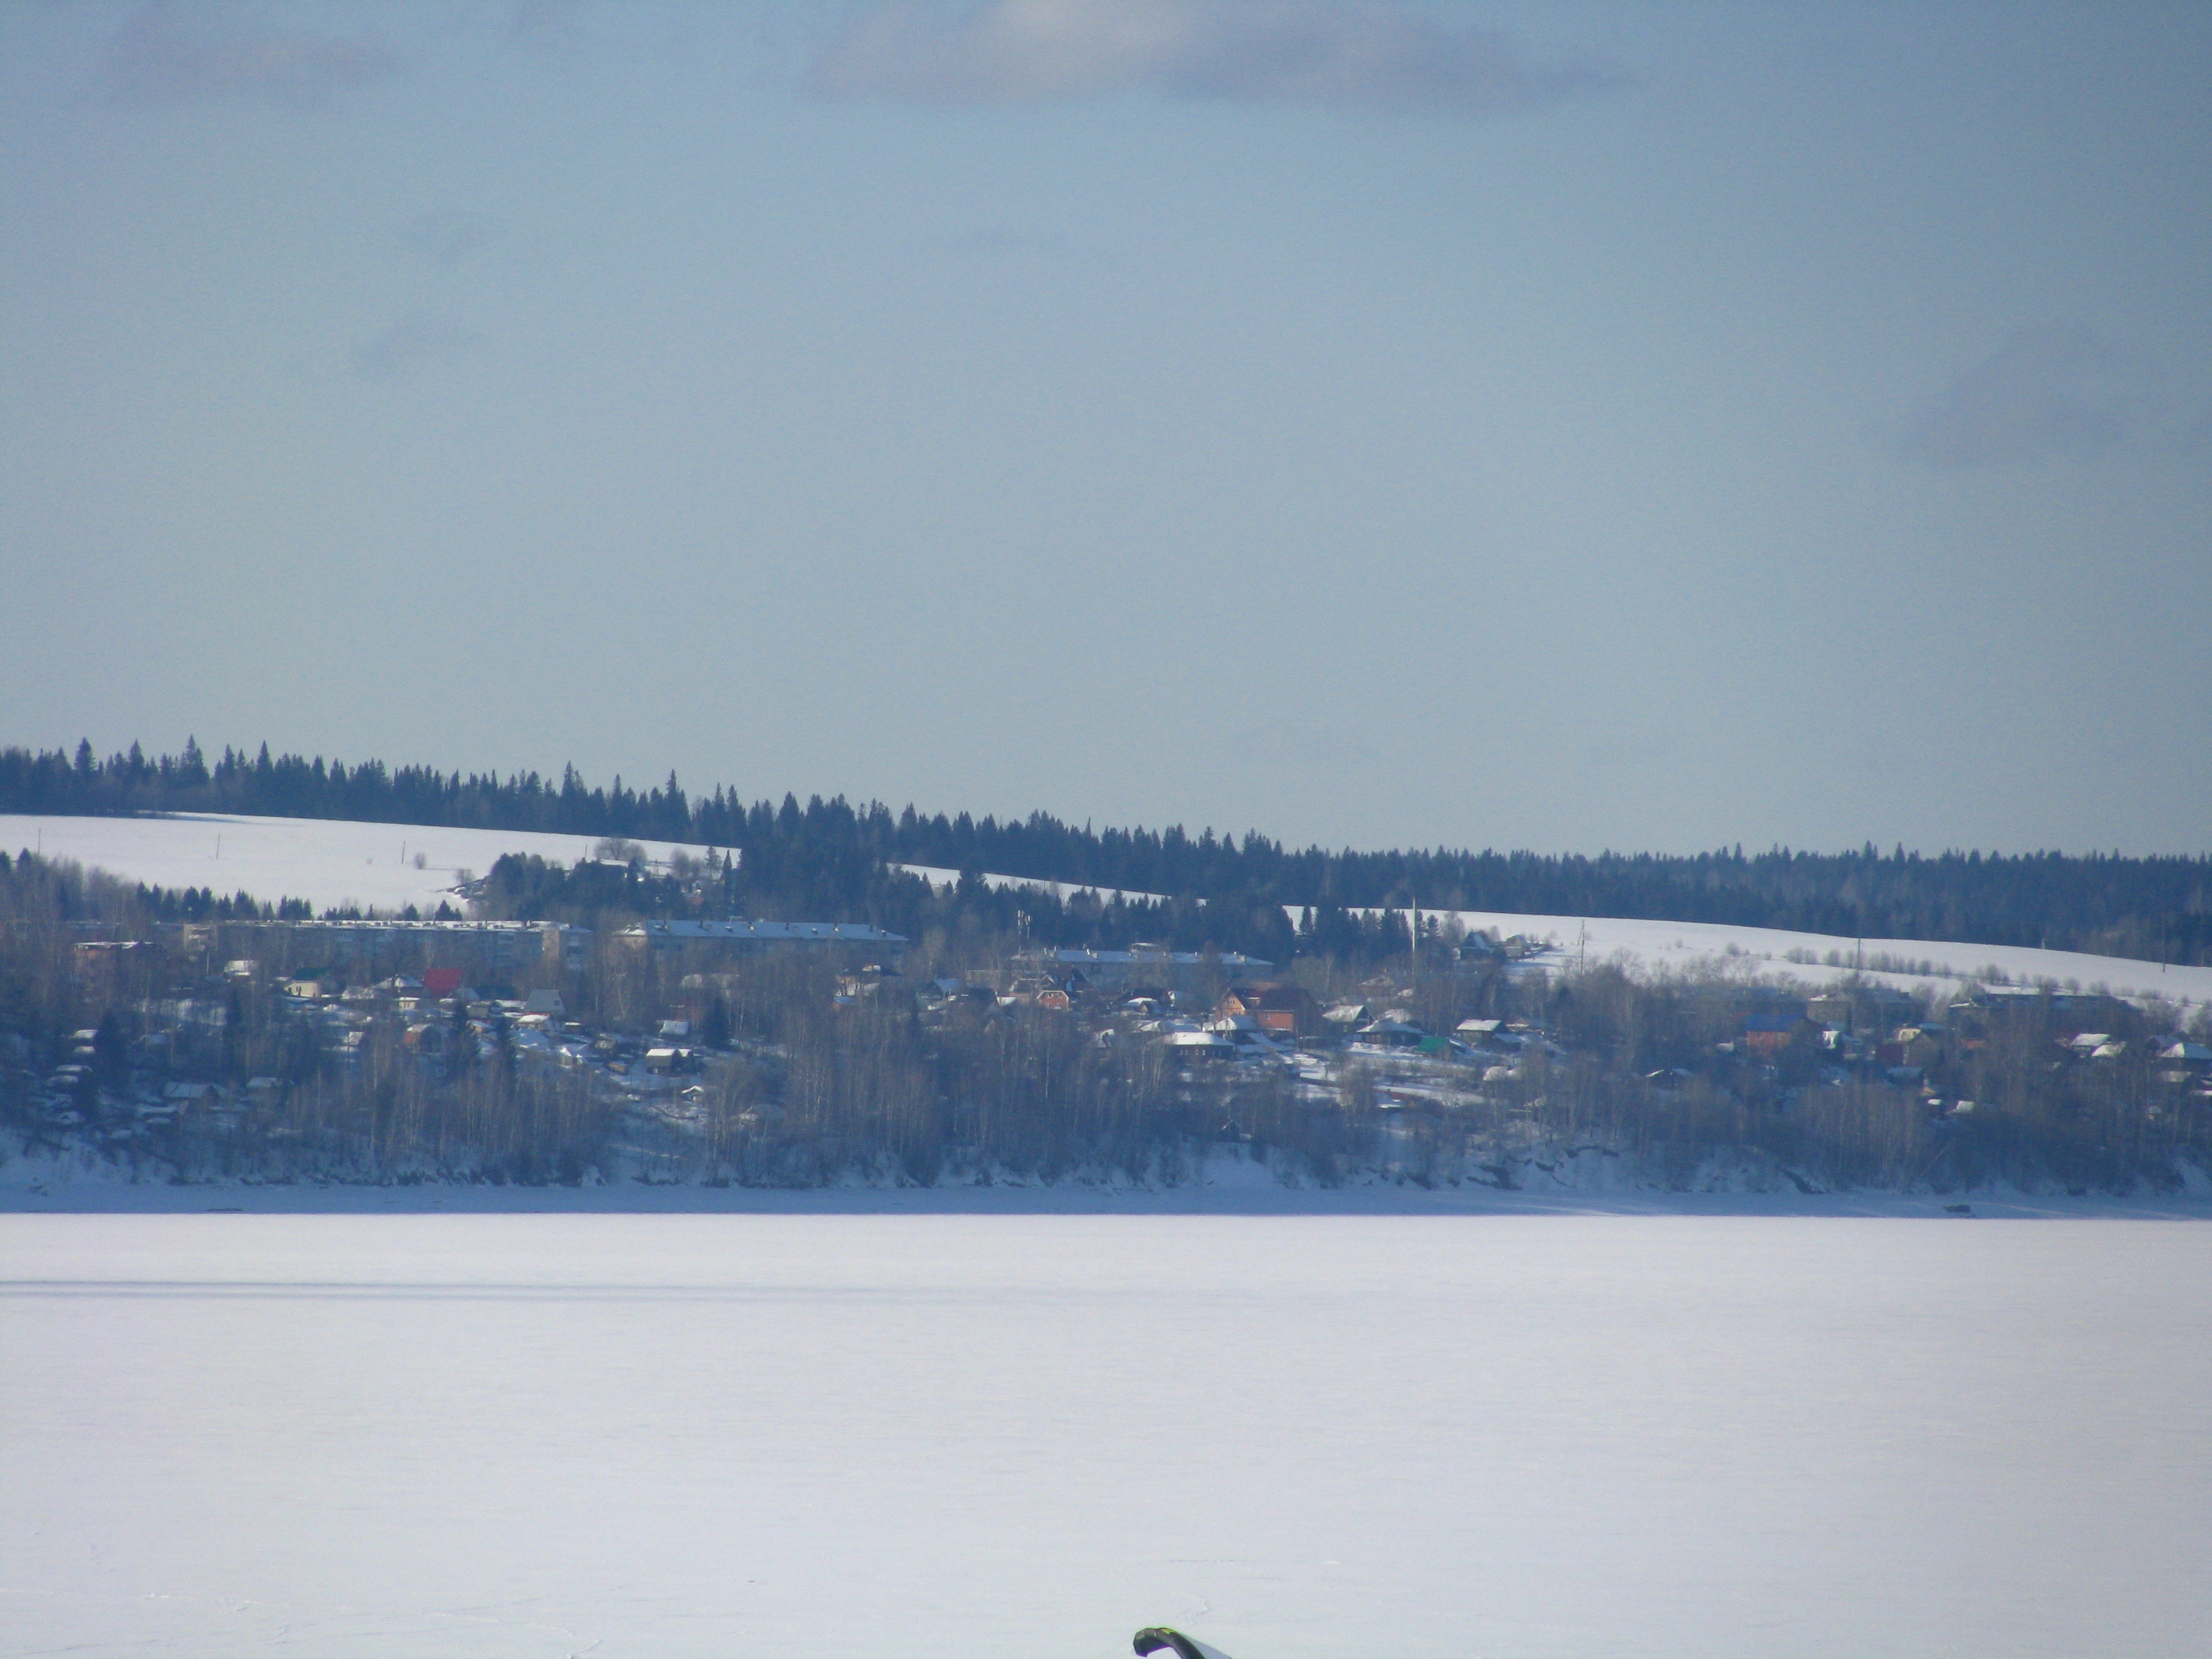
(2155, 908)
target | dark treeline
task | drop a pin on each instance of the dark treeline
(778, 879)
(2156, 909)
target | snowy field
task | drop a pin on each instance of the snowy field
(374, 865)
(1766, 950)
(327, 862)
(938, 876)
(1298, 1438)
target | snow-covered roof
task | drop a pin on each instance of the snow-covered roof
(1196, 1039)
(764, 932)
(1077, 958)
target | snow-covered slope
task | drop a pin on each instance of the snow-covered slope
(329, 862)
(1767, 950)
(386, 866)
(938, 876)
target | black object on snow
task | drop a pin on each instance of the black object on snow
(1152, 1640)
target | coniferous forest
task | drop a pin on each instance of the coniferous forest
(830, 857)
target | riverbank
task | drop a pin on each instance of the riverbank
(1226, 1183)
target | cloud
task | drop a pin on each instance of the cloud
(1380, 55)
(412, 343)
(168, 54)
(2057, 392)
(447, 237)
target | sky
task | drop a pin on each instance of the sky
(1560, 426)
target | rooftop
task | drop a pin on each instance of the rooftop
(857, 932)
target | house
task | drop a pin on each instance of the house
(846, 940)
(1768, 1035)
(378, 945)
(2068, 1011)
(2185, 1062)
(1392, 1031)
(1864, 1008)
(546, 1001)
(1185, 1048)
(1179, 972)
(104, 966)
(1914, 1046)
(1286, 1010)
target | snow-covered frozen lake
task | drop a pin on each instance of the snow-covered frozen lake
(547, 1435)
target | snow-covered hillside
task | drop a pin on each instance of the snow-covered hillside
(384, 867)
(1769, 950)
(388, 866)
(938, 876)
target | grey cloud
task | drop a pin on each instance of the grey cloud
(2051, 393)
(1381, 54)
(447, 237)
(168, 54)
(413, 341)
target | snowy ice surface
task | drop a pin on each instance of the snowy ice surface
(328, 862)
(1306, 1438)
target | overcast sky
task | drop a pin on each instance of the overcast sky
(1560, 426)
